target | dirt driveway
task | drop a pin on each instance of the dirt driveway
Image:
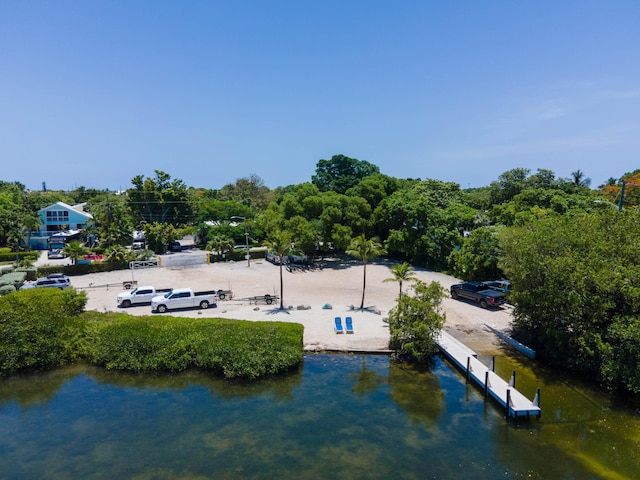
(338, 286)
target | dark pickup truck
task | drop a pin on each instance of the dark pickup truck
(478, 292)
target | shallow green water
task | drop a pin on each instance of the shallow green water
(340, 416)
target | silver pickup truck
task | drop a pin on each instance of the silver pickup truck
(183, 298)
(140, 295)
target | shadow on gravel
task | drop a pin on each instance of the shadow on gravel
(275, 311)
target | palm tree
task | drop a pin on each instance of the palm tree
(579, 179)
(74, 250)
(89, 232)
(281, 244)
(402, 272)
(32, 223)
(15, 236)
(118, 254)
(365, 249)
(219, 244)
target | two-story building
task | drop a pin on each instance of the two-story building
(61, 221)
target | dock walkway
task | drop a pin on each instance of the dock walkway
(503, 392)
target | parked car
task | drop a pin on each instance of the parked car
(184, 298)
(61, 276)
(140, 295)
(56, 253)
(478, 292)
(137, 246)
(47, 282)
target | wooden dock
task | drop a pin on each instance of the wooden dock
(514, 402)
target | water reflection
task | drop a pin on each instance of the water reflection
(367, 381)
(417, 392)
(37, 388)
(276, 387)
(341, 416)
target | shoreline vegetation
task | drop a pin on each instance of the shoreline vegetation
(44, 329)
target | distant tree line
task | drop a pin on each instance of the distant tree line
(570, 251)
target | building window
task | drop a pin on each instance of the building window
(57, 216)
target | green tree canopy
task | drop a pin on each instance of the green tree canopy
(423, 223)
(477, 258)
(341, 173)
(250, 191)
(576, 282)
(508, 185)
(416, 320)
(160, 200)
(112, 219)
(159, 235)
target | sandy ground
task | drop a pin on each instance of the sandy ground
(338, 284)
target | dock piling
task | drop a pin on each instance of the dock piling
(468, 367)
(486, 384)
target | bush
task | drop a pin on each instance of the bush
(7, 256)
(238, 255)
(14, 278)
(31, 272)
(248, 349)
(45, 328)
(40, 328)
(233, 348)
(416, 320)
(7, 289)
(93, 267)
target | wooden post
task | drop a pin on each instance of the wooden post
(468, 367)
(493, 364)
(512, 381)
(536, 401)
(486, 384)
(508, 401)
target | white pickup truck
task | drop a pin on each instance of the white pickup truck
(183, 298)
(140, 295)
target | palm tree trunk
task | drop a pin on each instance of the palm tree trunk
(281, 286)
(364, 285)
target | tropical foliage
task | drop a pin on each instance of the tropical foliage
(232, 348)
(554, 238)
(75, 251)
(577, 290)
(40, 329)
(45, 328)
(402, 272)
(416, 320)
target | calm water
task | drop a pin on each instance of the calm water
(339, 416)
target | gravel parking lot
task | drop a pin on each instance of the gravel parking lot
(338, 285)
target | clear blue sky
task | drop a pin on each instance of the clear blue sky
(93, 93)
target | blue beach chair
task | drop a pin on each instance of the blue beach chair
(349, 324)
(338, 326)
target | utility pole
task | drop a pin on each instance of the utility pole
(246, 238)
(621, 196)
